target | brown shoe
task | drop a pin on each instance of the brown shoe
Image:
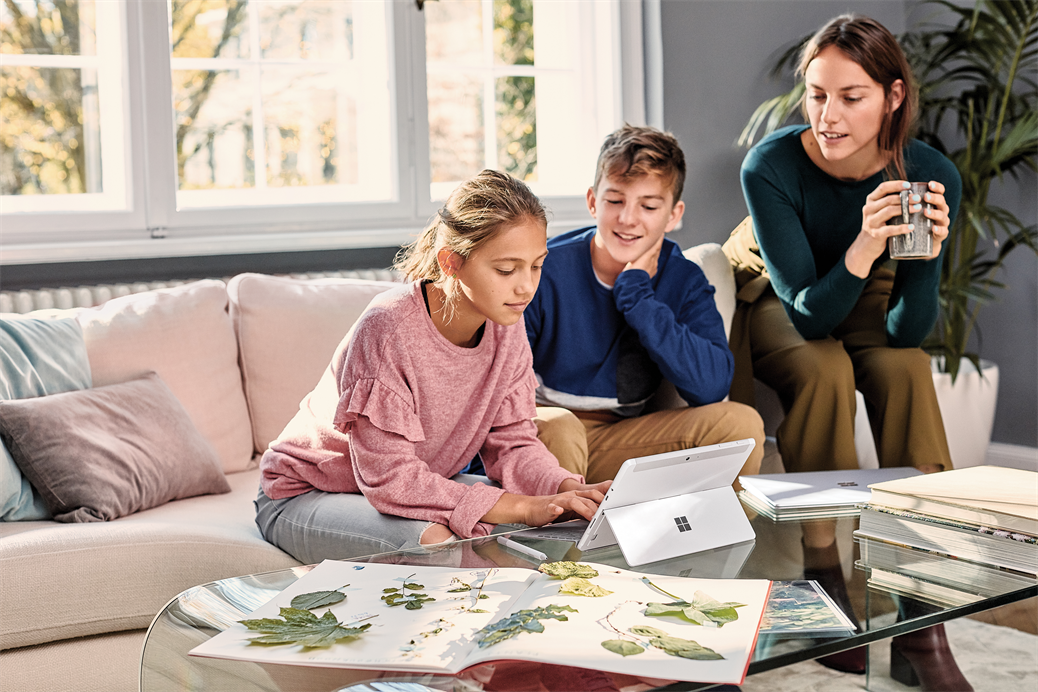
(924, 658)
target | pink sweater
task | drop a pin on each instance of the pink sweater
(400, 410)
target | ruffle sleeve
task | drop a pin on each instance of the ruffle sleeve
(381, 405)
(520, 403)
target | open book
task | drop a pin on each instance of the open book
(444, 620)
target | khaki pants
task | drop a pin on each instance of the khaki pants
(595, 445)
(815, 381)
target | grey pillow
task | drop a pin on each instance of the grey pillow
(104, 453)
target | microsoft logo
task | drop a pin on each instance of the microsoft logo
(683, 524)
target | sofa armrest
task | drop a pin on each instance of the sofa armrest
(712, 260)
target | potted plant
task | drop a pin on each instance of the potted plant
(978, 104)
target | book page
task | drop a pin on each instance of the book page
(433, 638)
(1006, 490)
(577, 641)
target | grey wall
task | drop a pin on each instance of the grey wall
(716, 59)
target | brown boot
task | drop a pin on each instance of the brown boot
(924, 658)
(823, 566)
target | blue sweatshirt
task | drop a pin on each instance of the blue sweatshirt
(599, 348)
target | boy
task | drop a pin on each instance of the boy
(618, 310)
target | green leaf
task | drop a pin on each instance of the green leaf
(390, 590)
(565, 569)
(303, 628)
(476, 610)
(519, 622)
(578, 586)
(318, 599)
(413, 605)
(460, 589)
(703, 610)
(648, 631)
(623, 647)
(685, 648)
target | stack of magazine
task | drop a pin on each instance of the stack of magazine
(954, 537)
(813, 495)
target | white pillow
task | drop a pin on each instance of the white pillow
(185, 335)
(287, 332)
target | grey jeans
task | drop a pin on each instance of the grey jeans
(318, 526)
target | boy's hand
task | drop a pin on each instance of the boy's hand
(649, 261)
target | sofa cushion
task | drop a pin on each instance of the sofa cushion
(185, 335)
(99, 454)
(37, 357)
(287, 332)
(110, 576)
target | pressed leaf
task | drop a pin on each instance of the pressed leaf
(303, 628)
(476, 610)
(685, 648)
(623, 647)
(413, 587)
(703, 610)
(460, 589)
(578, 586)
(318, 599)
(648, 631)
(565, 569)
(520, 621)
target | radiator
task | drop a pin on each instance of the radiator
(88, 296)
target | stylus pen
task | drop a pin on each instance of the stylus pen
(520, 548)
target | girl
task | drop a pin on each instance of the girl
(834, 318)
(432, 374)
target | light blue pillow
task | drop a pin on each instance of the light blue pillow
(37, 357)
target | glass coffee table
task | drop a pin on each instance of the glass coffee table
(200, 613)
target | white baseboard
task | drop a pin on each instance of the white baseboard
(1013, 456)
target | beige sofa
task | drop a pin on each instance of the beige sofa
(75, 599)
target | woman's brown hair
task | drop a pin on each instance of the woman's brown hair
(871, 45)
(474, 212)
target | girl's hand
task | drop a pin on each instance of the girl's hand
(571, 504)
(573, 500)
(882, 204)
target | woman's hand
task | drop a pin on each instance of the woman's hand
(573, 500)
(883, 204)
(940, 215)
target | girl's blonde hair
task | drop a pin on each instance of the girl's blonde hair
(474, 212)
(871, 45)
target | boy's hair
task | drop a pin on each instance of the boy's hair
(871, 45)
(474, 212)
(632, 152)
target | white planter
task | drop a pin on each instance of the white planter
(968, 410)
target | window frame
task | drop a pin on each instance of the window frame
(153, 227)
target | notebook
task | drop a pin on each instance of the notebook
(666, 505)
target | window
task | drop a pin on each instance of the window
(146, 129)
(270, 100)
(62, 108)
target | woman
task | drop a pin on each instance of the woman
(834, 318)
(432, 374)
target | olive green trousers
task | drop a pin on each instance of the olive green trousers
(815, 381)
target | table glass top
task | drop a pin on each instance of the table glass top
(882, 609)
